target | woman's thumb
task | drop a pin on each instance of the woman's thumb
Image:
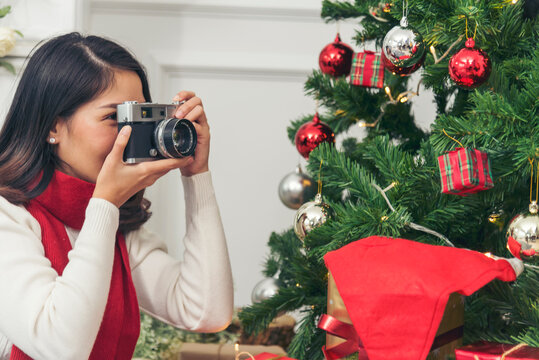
(121, 142)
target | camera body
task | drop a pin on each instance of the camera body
(156, 133)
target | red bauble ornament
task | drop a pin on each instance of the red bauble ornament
(336, 58)
(312, 134)
(469, 67)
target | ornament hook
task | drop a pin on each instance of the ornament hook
(534, 208)
(320, 181)
(404, 10)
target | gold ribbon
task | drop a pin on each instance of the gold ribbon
(475, 31)
(244, 353)
(320, 181)
(452, 138)
(531, 181)
(238, 353)
(515, 348)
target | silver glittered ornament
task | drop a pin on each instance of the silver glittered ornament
(403, 49)
(310, 215)
(296, 188)
(264, 289)
(524, 228)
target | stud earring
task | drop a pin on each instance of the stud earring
(52, 140)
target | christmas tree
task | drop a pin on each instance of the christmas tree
(495, 111)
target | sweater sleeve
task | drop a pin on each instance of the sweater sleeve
(196, 293)
(49, 316)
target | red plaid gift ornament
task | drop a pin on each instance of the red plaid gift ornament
(465, 171)
(367, 70)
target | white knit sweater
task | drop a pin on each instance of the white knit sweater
(58, 317)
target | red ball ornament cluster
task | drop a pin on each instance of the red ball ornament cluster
(469, 67)
(336, 58)
(312, 134)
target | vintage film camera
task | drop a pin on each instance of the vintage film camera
(156, 133)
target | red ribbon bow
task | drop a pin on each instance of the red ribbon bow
(345, 331)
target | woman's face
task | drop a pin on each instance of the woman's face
(84, 140)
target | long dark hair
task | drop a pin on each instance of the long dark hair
(64, 73)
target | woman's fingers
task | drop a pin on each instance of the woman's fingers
(187, 107)
(151, 168)
(197, 115)
(183, 95)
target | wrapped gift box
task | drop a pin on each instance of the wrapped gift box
(493, 351)
(279, 332)
(367, 70)
(197, 351)
(449, 335)
(465, 171)
(268, 356)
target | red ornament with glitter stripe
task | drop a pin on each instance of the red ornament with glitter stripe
(465, 171)
(367, 70)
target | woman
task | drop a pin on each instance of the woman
(64, 189)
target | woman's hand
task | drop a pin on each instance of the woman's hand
(118, 181)
(193, 111)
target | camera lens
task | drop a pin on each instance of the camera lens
(176, 138)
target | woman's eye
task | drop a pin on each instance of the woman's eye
(111, 116)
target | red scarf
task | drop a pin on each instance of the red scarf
(62, 204)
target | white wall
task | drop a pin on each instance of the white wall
(248, 61)
(36, 19)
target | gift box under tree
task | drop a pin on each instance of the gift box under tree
(395, 292)
(196, 351)
(269, 356)
(448, 337)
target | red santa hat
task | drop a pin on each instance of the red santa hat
(396, 290)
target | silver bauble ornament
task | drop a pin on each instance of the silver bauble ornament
(264, 289)
(403, 49)
(310, 215)
(524, 228)
(296, 188)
